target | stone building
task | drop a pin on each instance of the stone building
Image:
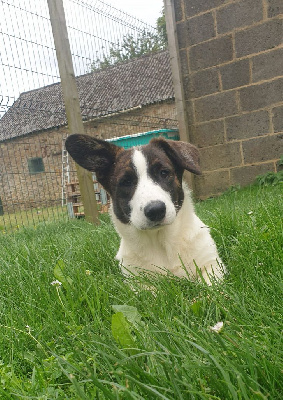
(133, 97)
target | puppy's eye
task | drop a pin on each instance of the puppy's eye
(126, 182)
(164, 173)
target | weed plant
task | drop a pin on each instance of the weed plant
(72, 328)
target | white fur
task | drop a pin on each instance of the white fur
(146, 192)
(178, 246)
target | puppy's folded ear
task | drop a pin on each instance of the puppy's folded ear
(95, 155)
(183, 154)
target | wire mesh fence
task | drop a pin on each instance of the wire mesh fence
(120, 94)
(29, 187)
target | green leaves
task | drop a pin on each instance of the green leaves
(131, 313)
(121, 331)
(270, 178)
(60, 275)
(124, 321)
(196, 308)
(132, 46)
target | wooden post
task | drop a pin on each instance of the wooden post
(173, 48)
(71, 99)
(180, 101)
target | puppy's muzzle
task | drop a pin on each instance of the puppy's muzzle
(155, 211)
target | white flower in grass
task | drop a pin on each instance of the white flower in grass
(250, 212)
(56, 283)
(88, 272)
(217, 327)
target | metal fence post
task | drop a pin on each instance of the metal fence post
(71, 99)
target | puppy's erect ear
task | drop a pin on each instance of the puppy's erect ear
(183, 154)
(95, 155)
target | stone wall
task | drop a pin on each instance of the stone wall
(232, 68)
(21, 190)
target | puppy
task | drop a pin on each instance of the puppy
(151, 209)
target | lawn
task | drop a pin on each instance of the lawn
(71, 328)
(32, 217)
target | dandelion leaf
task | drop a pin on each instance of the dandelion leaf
(121, 331)
(60, 275)
(129, 312)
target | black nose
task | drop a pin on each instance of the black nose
(155, 210)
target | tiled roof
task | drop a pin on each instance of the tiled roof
(138, 82)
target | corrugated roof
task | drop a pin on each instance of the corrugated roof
(138, 82)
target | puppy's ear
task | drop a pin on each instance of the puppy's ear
(183, 154)
(95, 155)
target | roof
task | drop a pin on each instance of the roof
(138, 82)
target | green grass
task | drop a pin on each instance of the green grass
(69, 342)
(13, 221)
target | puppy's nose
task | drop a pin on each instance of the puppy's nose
(155, 211)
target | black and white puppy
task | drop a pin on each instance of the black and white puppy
(151, 209)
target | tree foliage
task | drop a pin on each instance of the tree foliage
(161, 27)
(132, 46)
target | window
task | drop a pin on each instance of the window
(35, 165)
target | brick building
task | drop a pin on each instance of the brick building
(133, 97)
(231, 54)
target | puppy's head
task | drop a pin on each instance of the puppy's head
(145, 183)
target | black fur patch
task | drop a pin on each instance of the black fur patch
(123, 184)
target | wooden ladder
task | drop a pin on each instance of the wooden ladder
(74, 203)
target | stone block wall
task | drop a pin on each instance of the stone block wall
(231, 54)
(21, 190)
